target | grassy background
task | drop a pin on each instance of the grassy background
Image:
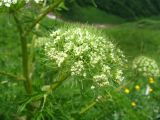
(135, 39)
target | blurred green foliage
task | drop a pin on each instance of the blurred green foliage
(128, 9)
(89, 14)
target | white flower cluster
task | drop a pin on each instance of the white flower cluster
(8, 3)
(77, 68)
(146, 66)
(85, 54)
(58, 56)
(101, 80)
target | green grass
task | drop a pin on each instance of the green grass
(9, 41)
(136, 39)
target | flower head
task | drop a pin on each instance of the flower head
(137, 87)
(8, 3)
(85, 55)
(126, 90)
(133, 104)
(151, 80)
(146, 66)
(150, 90)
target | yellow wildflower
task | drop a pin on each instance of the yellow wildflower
(150, 90)
(127, 91)
(151, 80)
(137, 87)
(133, 104)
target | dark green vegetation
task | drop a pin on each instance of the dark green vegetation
(90, 15)
(132, 9)
(138, 38)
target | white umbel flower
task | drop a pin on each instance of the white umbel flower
(77, 68)
(8, 3)
(85, 55)
(146, 66)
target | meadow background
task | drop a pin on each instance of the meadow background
(134, 26)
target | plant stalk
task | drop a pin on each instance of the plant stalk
(24, 49)
(11, 75)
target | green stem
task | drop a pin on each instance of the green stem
(24, 48)
(32, 54)
(11, 75)
(87, 108)
(61, 79)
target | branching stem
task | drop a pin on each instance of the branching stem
(11, 75)
(23, 38)
(41, 16)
